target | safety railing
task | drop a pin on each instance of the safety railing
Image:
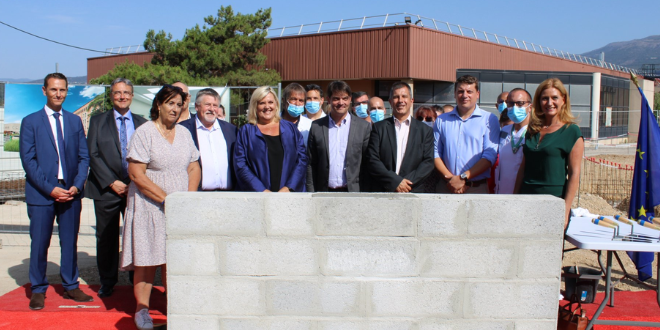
(431, 23)
(124, 50)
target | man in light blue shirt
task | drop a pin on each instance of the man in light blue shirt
(466, 141)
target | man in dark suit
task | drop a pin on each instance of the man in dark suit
(54, 156)
(400, 154)
(336, 146)
(215, 139)
(108, 137)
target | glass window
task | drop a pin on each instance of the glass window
(582, 115)
(489, 92)
(423, 91)
(509, 86)
(535, 78)
(514, 77)
(580, 94)
(531, 88)
(491, 77)
(582, 80)
(443, 92)
(2, 95)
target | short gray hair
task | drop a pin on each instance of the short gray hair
(121, 80)
(207, 91)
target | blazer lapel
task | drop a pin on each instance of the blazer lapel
(410, 145)
(352, 131)
(326, 139)
(112, 127)
(47, 124)
(391, 133)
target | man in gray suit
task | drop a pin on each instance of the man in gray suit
(336, 146)
(107, 140)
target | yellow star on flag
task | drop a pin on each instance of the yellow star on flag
(640, 153)
(647, 173)
(642, 211)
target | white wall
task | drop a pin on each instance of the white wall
(363, 261)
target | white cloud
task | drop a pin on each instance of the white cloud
(91, 91)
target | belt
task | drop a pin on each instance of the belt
(219, 189)
(338, 189)
(476, 183)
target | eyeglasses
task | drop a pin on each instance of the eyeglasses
(420, 118)
(519, 103)
(124, 93)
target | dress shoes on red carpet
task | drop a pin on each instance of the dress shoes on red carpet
(37, 301)
(105, 291)
(77, 295)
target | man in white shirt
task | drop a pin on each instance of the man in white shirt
(400, 152)
(215, 140)
(293, 106)
(314, 102)
(512, 138)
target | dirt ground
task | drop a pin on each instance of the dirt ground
(586, 258)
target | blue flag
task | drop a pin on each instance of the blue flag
(646, 181)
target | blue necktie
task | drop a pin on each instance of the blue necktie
(123, 139)
(60, 144)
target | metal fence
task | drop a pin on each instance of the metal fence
(366, 22)
(609, 180)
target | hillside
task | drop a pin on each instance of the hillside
(632, 53)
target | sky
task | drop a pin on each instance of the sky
(572, 26)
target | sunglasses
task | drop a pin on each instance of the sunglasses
(420, 118)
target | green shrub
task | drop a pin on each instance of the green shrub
(11, 145)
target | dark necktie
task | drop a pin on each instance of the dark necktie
(60, 144)
(123, 139)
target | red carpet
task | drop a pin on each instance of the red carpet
(115, 312)
(628, 306)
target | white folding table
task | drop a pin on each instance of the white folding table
(584, 234)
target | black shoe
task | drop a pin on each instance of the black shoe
(37, 301)
(106, 291)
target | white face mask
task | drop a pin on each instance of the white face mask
(429, 123)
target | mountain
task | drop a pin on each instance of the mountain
(15, 80)
(631, 53)
(80, 80)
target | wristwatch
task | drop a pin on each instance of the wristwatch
(464, 176)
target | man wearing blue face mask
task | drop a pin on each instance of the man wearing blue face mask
(376, 109)
(313, 102)
(512, 138)
(293, 106)
(501, 108)
(360, 105)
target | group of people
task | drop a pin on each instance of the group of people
(287, 145)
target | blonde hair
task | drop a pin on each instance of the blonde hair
(537, 120)
(257, 96)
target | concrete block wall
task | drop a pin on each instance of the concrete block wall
(363, 261)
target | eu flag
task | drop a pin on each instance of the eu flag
(646, 181)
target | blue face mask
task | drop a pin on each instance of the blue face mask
(361, 111)
(377, 115)
(501, 107)
(517, 114)
(313, 106)
(295, 110)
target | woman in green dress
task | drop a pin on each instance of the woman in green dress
(553, 147)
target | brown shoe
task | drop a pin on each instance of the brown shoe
(77, 295)
(37, 301)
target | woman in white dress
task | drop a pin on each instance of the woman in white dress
(162, 159)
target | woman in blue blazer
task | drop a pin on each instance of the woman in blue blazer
(269, 154)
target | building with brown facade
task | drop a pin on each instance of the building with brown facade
(430, 60)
